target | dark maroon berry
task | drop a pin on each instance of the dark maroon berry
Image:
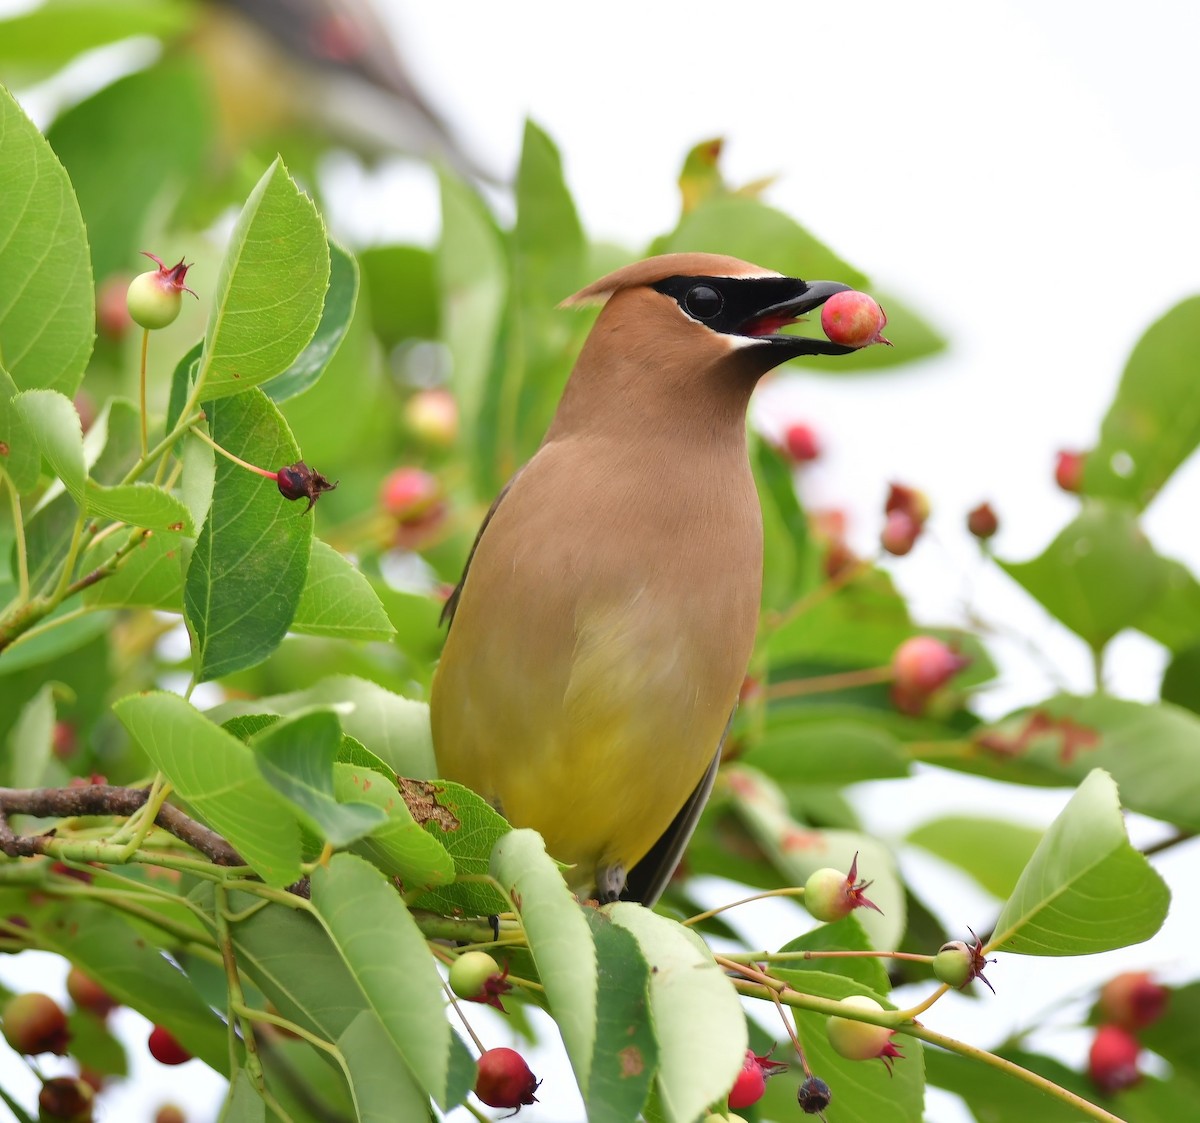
(299, 481)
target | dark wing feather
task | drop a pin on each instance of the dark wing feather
(448, 609)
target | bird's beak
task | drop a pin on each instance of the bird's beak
(765, 323)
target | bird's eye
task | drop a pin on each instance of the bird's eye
(703, 302)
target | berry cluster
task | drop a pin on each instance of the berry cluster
(1129, 1002)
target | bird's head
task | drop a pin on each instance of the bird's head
(689, 327)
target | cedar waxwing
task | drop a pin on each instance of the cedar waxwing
(604, 622)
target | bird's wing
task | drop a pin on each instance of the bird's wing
(649, 878)
(447, 616)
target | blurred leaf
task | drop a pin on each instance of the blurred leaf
(1086, 889)
(1175, 1036)
(696, 1013)
(395, 729)
(247, 572)
(991, 1094)
(626, 1053)
(992, 851)
(473, 283)
(150, 577)
(846, 934)
(383, 1089)
(94, 1046)
(130, 149)
(1174, 617)
(1152, 751)
(559, 941)
(379, 942)
(788, 556)
(55, 642)
(1153, 424)
(47, 303)
(183, 378)
(30, 741)
(399, 846)
(864, 1091)
(270, 290)
(403, 293)
(338, 600)
(826, 752)
(52, 420)
(1098, 576)
(336, 314)
(22, 459)
(1181, 680)
(797, 851)
(296, 758)
(56, 31)
(243, 1104)
(219, 778)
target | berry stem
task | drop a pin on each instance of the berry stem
(793, 956)
(142, 389)
(791, 891)
(913, 1012)
(236, 997)
(230, 456)
(822, 592)
(827, 684)
(463, 1018)
(19, 533)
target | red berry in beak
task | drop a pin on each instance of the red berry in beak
(853, 319)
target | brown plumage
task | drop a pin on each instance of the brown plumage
(605, 620)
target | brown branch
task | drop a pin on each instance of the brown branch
(102, 799)
(1167, 843)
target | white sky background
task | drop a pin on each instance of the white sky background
(1025, 173)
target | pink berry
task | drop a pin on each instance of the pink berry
(982, 521)
(914, 503)
(750, 1084)
(900, 534)
(923, 663)
(1112, 1059)
(504, 1079)
(169, 1113)
(112, 313)
(165, 1049)
(34, 1023)
(1132, 1000)
(87, 994)
(408, 494)
(862, 1041)
(853, 319)
(800, 443)
(1068, 471)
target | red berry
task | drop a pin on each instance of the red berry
(408, 494)
(65, 742)
(65, 1099)
(165, 1049)
(1112, 1059)
(920, 666)
(1068, 471)
(1132, 1000)
(830, 894)
(154, 298)
(900, 533)
(169, 1113)
(914, 503)
(750, 1084)
(800, 443)
(862, 1041)
(982, 521)
(34, 1023)
(112, 313)
(853, 319)
(299, 481)
(87, 994)
(504, 1079)
(432, 417)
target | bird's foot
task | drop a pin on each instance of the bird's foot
(610, 883)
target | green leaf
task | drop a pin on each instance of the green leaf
(626, 1054)
(395, 729)
(382, 1086)
(243, 1104)
(94, 1046)
(797, 851)
(55, 32)
(1086, 889)
(1152, 751)
(1098, 576)
(51, 418)
(134, 972)
(140, 505)
(992, 851)
(560, 941)
(55, 642)
(338, 600)
(826, 752)
(1174, 617)
(697, 1016)
(1181, 680)
(20, 456)
(47, 303)
(270, 290)
(787, 547)
(473, 282)
(992, 1094)
(150, 577)
(296, 758)
(247, 572)
(380, 943)
(399, 846)
(336, 315)
(846, 934)
(864, 1091)
(30, 741)
(129, 148)
(217, 775)
(408, 270)
(1153, 424)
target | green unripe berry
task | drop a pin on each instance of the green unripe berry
(470, 971)
(825, 895)
(954, 964)
(861, 1041)
(154, 298)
